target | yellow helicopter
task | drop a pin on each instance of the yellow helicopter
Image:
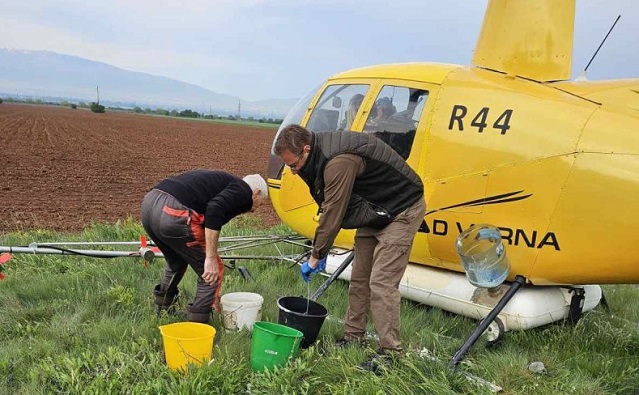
(508, 141)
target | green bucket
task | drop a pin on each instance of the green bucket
(273, 344)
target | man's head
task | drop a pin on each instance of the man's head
(293, 145)
(259, 188)
(353, 106)
(355, 102)
(385, 108)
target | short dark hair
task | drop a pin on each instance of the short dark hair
(292, 138)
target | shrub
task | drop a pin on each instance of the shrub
(98, 108)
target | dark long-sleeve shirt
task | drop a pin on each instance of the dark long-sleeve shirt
(216, 194)
(339, 178)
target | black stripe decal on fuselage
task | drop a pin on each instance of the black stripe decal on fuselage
(496, 199)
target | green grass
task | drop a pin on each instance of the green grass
(71, 325)
(256, 124)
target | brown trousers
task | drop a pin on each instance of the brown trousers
(381, 258)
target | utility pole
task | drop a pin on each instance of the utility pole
(97, 88)
(239, 111)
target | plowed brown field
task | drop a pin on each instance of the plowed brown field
(61, 168)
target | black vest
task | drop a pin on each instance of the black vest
(387, 186)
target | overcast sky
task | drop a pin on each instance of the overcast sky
(265, 49)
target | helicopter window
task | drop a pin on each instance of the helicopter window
(395, 116)
(337, 108)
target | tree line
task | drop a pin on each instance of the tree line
(188, 113)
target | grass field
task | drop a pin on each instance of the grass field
(81, 325)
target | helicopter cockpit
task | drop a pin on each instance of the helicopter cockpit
(392, 114)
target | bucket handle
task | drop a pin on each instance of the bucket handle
(185, 352)
(297, 341)
(238, 307)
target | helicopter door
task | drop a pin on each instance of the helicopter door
(395, 115)
(400, 116)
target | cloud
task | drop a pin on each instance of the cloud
(259, 49)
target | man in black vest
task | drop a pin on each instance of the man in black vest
(183, 215)
(360, 183)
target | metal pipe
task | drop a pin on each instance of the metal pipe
(241, 242)
(483, 325)
(129, 254)
(53, 251)
(333, 276)
(87, 243)
(286, 239)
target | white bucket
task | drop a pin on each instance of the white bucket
(241, 310)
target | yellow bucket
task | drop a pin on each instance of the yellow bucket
(187, 343)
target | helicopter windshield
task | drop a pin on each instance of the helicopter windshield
(295, 115)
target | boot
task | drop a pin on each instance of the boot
(348, 342)
(381, 361)
(164, 302)
(197, 316)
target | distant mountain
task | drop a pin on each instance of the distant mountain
(49, 74)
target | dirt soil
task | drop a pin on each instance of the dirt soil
(61, 168)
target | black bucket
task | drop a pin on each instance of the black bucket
(293, 314)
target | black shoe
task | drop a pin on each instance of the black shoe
(168, 310)
(380, 361)
(344, 342)
(377, 363)
(164, 302)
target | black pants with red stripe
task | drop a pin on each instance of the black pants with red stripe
(179, 233)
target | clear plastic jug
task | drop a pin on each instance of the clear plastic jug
(483, 255)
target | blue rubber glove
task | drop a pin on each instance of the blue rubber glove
(321, 264)
(306, 271)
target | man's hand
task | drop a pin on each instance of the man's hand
(312, 266)
(210, 270)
